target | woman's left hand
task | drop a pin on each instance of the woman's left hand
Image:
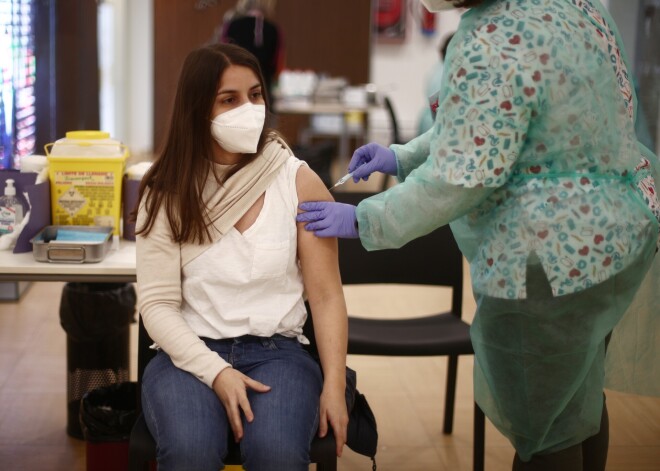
(333, 412)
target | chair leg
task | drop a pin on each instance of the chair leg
(330, 465)
(479, 439)
(450, 393)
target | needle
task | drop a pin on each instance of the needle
(342, 180)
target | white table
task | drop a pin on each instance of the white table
(310, 107)
(118, 266)
(299, 106)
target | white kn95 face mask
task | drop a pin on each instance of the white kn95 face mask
(238, 130)
(438, 5)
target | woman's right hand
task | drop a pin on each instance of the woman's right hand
(231, 387)
(372, 158)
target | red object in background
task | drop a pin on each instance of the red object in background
(428, 22)
(390, 20)
(389, 13)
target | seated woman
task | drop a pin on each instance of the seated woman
(223, 271)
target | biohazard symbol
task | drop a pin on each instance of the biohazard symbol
(72, 201)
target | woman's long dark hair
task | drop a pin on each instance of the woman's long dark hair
(176, 179)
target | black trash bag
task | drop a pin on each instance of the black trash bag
(108, 414)
(92, 311)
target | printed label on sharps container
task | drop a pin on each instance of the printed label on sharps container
(72, 201)
(78, 190)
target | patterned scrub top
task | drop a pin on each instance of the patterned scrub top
(533, 150)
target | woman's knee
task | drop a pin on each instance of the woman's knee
(190, 454)
(274, 453)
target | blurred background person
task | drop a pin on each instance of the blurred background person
(425, 119)
(250, 25)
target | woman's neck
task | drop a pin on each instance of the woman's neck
(222, 157)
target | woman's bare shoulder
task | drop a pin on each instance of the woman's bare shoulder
(310, 187)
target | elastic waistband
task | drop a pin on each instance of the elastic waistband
(627, 177)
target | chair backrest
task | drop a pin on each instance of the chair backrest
(145, 352)
(396, 136)
(433, 259)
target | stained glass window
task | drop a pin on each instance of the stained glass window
(17, 79)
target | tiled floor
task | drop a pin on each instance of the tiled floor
(406, 395)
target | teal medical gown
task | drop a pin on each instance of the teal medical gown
(534, 161)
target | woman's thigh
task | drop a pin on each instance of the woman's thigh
(286, 417)
(185, 417)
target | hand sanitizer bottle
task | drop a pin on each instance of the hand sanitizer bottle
(11, 209)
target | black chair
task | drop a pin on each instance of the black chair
(394, 123)
(318, 156)
(142, 447)
(433, 259)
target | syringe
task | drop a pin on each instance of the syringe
(342, 180)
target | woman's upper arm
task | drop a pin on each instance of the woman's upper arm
(318, 255)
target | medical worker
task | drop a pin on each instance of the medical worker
(534, 161)
(425, 119)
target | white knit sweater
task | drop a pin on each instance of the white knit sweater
(161, 282)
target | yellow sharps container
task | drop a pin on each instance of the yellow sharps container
(85, 170)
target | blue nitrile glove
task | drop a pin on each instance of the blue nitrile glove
(372, 158)
(328, 219)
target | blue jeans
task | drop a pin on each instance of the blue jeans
(189, 423)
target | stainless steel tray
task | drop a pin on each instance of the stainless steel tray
(72, 244)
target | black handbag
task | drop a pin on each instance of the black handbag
(362, 432)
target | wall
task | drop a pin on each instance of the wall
(311, 39)
(139, 97)
(401, 71)
(70, 88)
(126, 72)
(135, 93)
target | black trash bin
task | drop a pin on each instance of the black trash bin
(96, 318)
(107, 415)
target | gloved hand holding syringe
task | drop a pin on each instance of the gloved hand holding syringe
(332, 219)
(368, 159)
